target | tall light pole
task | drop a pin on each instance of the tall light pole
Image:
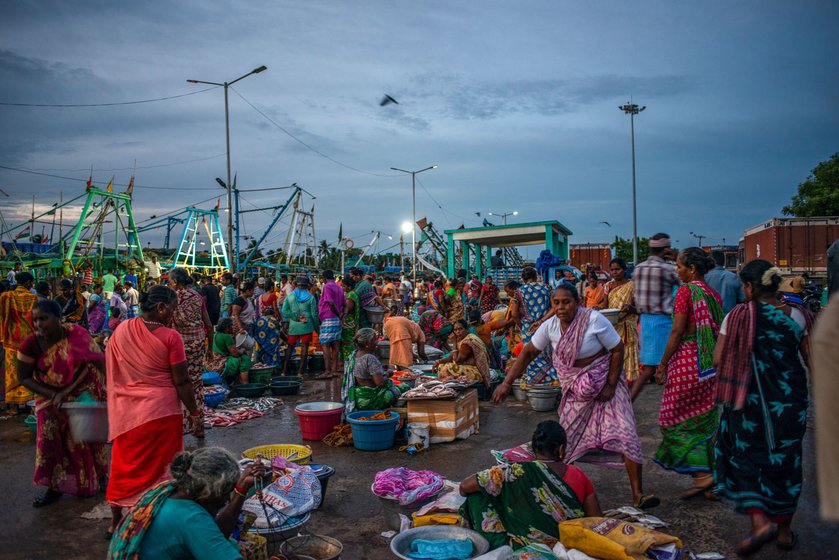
(504, 215)
(413, 175)
(633, 109)
(226, 85)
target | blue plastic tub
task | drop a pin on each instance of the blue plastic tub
(214, 399)
(211, 378)
(372, 435)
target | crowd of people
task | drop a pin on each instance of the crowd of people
(732, 357)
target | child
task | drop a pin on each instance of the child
(115, 320)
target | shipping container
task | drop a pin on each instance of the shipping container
(598, 254)
(795, 245)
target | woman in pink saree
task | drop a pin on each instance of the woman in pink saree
(596, 409)
(58, 363)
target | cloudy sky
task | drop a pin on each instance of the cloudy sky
(517, 102)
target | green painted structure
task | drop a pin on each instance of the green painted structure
(552, 234)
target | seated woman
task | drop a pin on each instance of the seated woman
(268, 336)
(366, 385)
(191, 516)
(522, 503)
(232, 363)
(471, 358)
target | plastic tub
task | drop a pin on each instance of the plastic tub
(88, 420)
(316, 364)
(31, 422)
(485, 394)
(373, 435)
(211, 378)
(214, 399)
(282, 388)
(260, 375)
(317, 419)
(324, 473)
(250, 390)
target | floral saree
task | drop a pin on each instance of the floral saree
(61, 463)
(521, 504)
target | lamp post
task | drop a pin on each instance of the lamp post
(633, 109)
(225, 85)
(413, 175)
(504, 215)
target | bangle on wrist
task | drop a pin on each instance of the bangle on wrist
(239, 492)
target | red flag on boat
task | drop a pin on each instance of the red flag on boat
(130, 185)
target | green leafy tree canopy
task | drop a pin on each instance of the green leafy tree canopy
(623, 248)
(818, 195)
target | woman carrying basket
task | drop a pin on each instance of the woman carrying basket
(59, 363)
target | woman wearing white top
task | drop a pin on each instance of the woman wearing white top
(596, 410)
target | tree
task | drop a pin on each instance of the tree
(818, 195)
(623, 248)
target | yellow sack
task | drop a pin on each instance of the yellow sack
(611, 539)
(437, 519)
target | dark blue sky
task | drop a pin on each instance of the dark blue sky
(516, 102)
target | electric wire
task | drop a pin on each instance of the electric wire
(137, 102)
(131, 168)
(32, 172)
(310, 147)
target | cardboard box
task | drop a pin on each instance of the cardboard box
(448, 419)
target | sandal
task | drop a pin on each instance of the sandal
(50, 497)
(788, 545)
(756, 542)
(647, 501)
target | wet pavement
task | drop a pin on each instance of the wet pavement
(354, 516)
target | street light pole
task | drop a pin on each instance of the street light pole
(233, 257)
(413, 175)
(504, 215)
(633, 109)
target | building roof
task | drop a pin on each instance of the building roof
(511, 235)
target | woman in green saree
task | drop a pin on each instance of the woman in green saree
(522, 503)
(366, 385)
(232, 363)
(349, 324)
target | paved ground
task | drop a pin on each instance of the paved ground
(354, 516)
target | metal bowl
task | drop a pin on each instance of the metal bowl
(319, 406)
(611, 314)
(401, 543)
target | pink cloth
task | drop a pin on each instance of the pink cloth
(139, 368)
(332, 293)
(598, 432)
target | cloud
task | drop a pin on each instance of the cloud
(461, 98)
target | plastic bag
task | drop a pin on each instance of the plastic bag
(293, 494)
(443, 549)
(611, 539)
(534, 551)
(405, 485)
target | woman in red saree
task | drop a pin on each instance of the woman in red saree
(148, 386)
(193, 324)
(58, 363)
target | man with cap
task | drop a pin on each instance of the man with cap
(654, 280)
(300, 309)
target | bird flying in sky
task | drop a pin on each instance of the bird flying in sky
(387, 100)
(607, 223)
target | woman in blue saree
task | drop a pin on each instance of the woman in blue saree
(762, 386)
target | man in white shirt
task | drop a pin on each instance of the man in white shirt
(131, 298)
(154, 270)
